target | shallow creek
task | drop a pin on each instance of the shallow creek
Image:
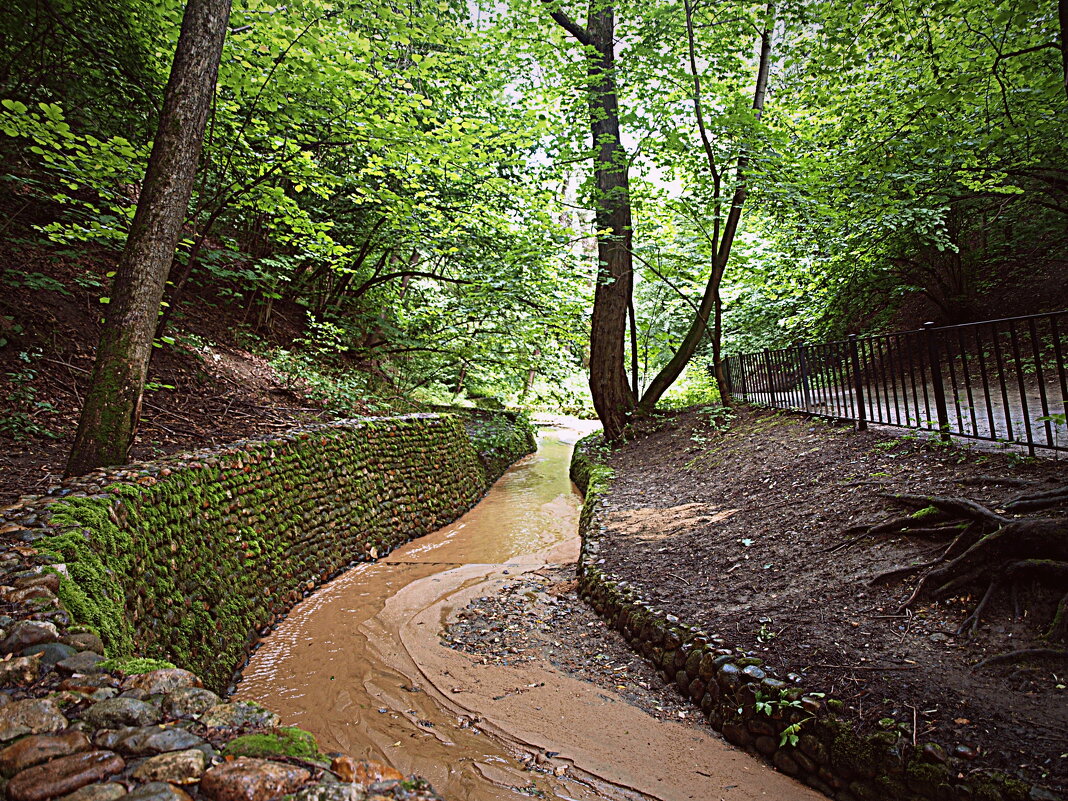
(359, 664)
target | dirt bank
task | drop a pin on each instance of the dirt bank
(742, 531)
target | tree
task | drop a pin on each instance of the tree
(613, 397)
(113, 404)
(724, 231)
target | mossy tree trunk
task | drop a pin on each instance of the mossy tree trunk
(113, 404)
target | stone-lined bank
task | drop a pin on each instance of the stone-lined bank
(187, 558)
(802, 732)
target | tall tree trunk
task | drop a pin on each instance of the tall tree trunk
(613, 397)
(722, 243)
(113, 404)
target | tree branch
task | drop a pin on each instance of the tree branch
(572, 27)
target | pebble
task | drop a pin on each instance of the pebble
(25, 633)
(115, 712)
(51, 652)
(149, 740)
(85, 641)
(19, 671)
(157, 791)
(188, 702)
(109, 791)
(31, 716)
(363, 771)
(38, 748)
(63, 775)
(247, 779)
(330, 792)
(243, 713)
(160, 682)
(82, 662)
(176, 767)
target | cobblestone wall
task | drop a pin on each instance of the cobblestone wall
(188, 557)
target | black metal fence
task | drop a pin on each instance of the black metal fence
(999, 380)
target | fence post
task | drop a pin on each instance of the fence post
(804, 375)
(935, 360)
(767, 367)
(858, 383)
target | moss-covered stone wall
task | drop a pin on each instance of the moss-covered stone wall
(187, 558)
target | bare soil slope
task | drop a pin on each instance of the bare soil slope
(757, 533)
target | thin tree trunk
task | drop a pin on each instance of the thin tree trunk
(112, 406)
(710, 300)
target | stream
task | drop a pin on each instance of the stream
(359, 664)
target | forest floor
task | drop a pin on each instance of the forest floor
(213, 383)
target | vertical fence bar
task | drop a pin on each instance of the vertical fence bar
(806, 391)
(911, 380)
(934, 359)
(1003, 381)
(950, 358)
(1014, 340)
(1036, 350)
(767, 368)
(986, 384)
(967, 378)
(858, 383)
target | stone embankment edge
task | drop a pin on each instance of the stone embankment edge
(802, 733)
(76, 727)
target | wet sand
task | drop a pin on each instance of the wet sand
(360, 665)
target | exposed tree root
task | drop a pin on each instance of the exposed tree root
(988, 549)
(1019, 656)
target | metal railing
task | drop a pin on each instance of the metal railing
(998, 380)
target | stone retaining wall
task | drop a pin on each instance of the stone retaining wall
(186, 558)
(802, 733)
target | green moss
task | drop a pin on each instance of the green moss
(926, 511)
(97, 553)
(134, 664)
(290, 742)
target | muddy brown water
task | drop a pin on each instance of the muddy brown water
(359, 664)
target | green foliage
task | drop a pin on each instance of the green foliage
(695, 386)
(20, 419)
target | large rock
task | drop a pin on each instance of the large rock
(188, 702)
(115, 712)
(38, 748)
(177, 767)
(247, 779)
(243, 713)
(63, 775)
(31, 716)
(159, 682)
(25, 633)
